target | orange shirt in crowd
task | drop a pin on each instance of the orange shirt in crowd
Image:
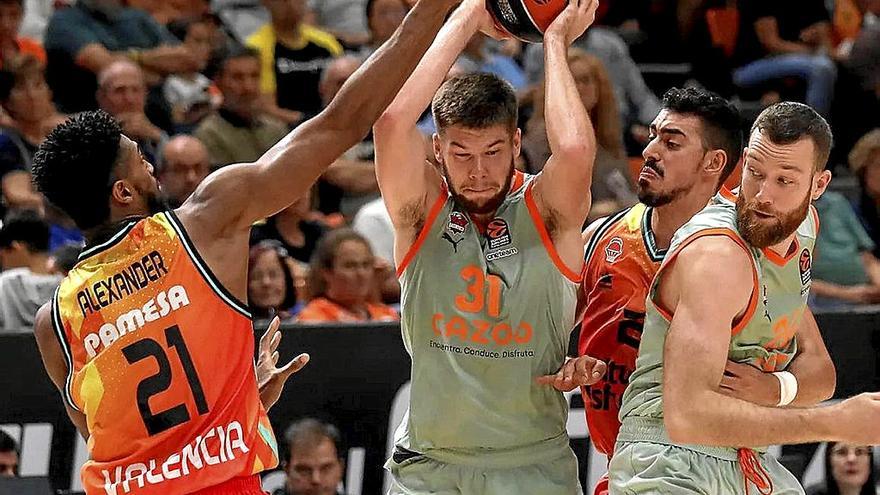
(322, 309)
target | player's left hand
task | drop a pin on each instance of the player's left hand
(270, 378)
(576, 372)
(748, 383)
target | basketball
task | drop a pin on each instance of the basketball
(525, 19)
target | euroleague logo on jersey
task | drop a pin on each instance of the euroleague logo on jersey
(498, 233)
(805, 265)
(613, 250)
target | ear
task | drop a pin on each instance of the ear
(820, 183)
(435, 141)
(121, 193)
(715, 162)
(517, 142)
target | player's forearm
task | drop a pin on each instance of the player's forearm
(569, 130)
(409, 104)
(370, 90)
(711, 418)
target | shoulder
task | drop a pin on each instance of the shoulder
(317, 310)
(262, 39)
(322, 38)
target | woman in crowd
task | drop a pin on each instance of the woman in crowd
(343, 282)
(849, 470)
(271, 287)
(612, 184)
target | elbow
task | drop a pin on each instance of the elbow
(390, 121)
(681, 423)
(576, 151)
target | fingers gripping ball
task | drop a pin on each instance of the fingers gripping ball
(525, 19)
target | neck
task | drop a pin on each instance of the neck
(357, 307)
(39, 263)
(483, 218)
(286, 30)
(666, 219)
(31, 129)
(849, 490)
(782, 248)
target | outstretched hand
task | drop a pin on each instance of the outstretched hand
(576, 372)
(270, 378)
(571, 23)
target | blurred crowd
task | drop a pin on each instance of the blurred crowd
(200, 85)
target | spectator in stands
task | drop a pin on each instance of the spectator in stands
(849, 470)
(864, 58)
(82, 40)
(11, 43)
(314, 462)
(344, 19)
(638, 105)
(122, 92)
(477, 57)
(271, 289)
(192, 95)
(25, 283)
(26, 99)
(613, 187)
(844, 271)
(183, 165)
(292, 55)
(383, 18)
(64, 259)
(239, 132)
(350, 182)
(786, 38)
(8, 456)
(374, 223)
(166, 12)
(864, 161)
(342, 282)
(293, 229)
(36, 17)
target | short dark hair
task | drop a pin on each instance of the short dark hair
(475, 101)
(722, 123)
(74, 166)
(66, 256)
(7, 443)
(27, 227)
(237, 51)
(16, 70)
(788, 122)
(20, 3)
(311, 431)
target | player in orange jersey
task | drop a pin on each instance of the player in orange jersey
(696, 141)
(147, 338)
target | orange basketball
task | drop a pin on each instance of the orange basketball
(525, 19)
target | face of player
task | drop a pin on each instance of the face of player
(8, 464)
(673, 157)
(850, 465)
(266, 281)
(143, 188)
(350, 279)
(314, 471)
(779, 182)
(478, 164)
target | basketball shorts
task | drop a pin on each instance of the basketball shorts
(417, 474)
(653, 465)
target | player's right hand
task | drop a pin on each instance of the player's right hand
(571, 23)
(858, 420)
(270, 378)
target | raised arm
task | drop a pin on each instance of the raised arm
(563, 189)
(406, 179)
(236, 196)
(695, 353)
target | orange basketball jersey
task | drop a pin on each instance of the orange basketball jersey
(620, 262)
(160, 360)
